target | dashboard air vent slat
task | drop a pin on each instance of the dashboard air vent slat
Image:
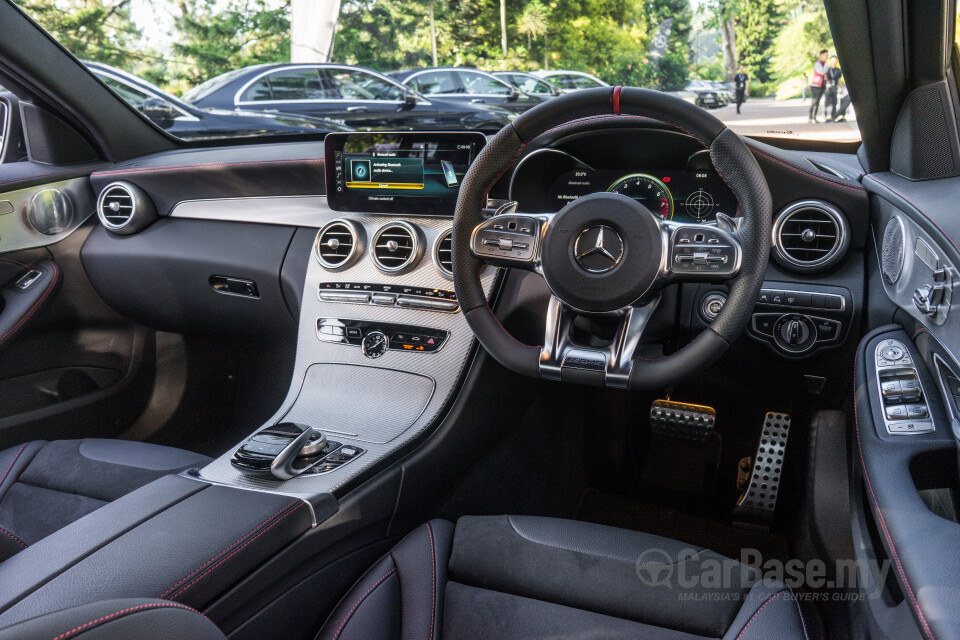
(397, 247)
(443, 253)
(338, 244)
(810, 235)
(124, 208)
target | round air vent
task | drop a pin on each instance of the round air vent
(810, 236)
(339, 244)
(397, 247)
(124, 208)
(50, 211)
(443, 253)
(891, 252)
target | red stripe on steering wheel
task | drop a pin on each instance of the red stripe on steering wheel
(616, 99)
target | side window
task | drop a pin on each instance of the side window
(296, 84)
(352, 84)
(531, 85)
(259, 90)
(435, 82)
(581, 82)
(564, 82)
(477, 83)
(134, 97)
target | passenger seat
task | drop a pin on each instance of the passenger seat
(44, 486)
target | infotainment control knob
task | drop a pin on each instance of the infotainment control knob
(374, 344)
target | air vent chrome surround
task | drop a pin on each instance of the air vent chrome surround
(339, 243)
(443, 253)
(124, 208)
(810, 235)
(397, 247)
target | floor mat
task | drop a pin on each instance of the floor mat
(621, 511)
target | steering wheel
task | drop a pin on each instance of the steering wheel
(607, 255)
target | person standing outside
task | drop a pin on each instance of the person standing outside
(832, 82)
(816, 83)
(741, 84)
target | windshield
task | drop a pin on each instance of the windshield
(766, 68)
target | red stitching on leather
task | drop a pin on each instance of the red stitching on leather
(10, 466)
(214, 558)
(433, 562)
(789, 165)
(235, 552)
(203, 165)
(77, 170)
(917, 207)
(757, 612)
(36, 305)
(876, 506)
(142, 607)
(360, 601)
(16, 262)
(2, 530)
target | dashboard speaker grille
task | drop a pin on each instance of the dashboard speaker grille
(396, 247)
(116, 206)
(338, 243)
(810, 235)
(891, 252)
(443, 253)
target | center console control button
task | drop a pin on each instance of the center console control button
(388, 295)
(396, 337)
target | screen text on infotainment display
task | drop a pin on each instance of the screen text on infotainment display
(412, 173)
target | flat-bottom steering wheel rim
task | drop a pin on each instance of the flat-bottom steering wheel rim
(734, 164)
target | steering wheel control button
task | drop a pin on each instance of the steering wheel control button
(598, 249)
(510, 238)
(794, 334)
(374, 344)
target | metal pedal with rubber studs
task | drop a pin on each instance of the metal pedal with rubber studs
(758, 502)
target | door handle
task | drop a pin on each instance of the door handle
(24, 296)
(356, 109)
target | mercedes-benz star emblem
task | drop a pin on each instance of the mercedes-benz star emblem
(598, 249)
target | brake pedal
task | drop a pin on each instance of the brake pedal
(691, 422)
(758, 502)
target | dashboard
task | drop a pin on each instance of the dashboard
(670, 174)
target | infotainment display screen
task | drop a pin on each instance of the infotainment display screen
(408, 173)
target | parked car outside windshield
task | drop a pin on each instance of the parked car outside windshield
(354, 96)
(468, 86)
(191, 123)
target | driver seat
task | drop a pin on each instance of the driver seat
(518, 577)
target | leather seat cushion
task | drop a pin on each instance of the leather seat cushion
(515, 577)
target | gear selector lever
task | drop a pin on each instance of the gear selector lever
(283, 450)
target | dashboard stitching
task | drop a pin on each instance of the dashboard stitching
(790, 165)
(205, 165)
(77, 170)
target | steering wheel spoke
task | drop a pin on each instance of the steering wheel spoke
(511, 240)
(563, 358)
(699, 252)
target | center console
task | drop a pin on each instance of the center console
(381, 342)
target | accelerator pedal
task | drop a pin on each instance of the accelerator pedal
(758, 500)
(683, 421)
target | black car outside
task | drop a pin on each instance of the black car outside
(355, 96)
(468, 86)
(188, 122)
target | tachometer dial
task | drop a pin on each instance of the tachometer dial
(648, 191)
